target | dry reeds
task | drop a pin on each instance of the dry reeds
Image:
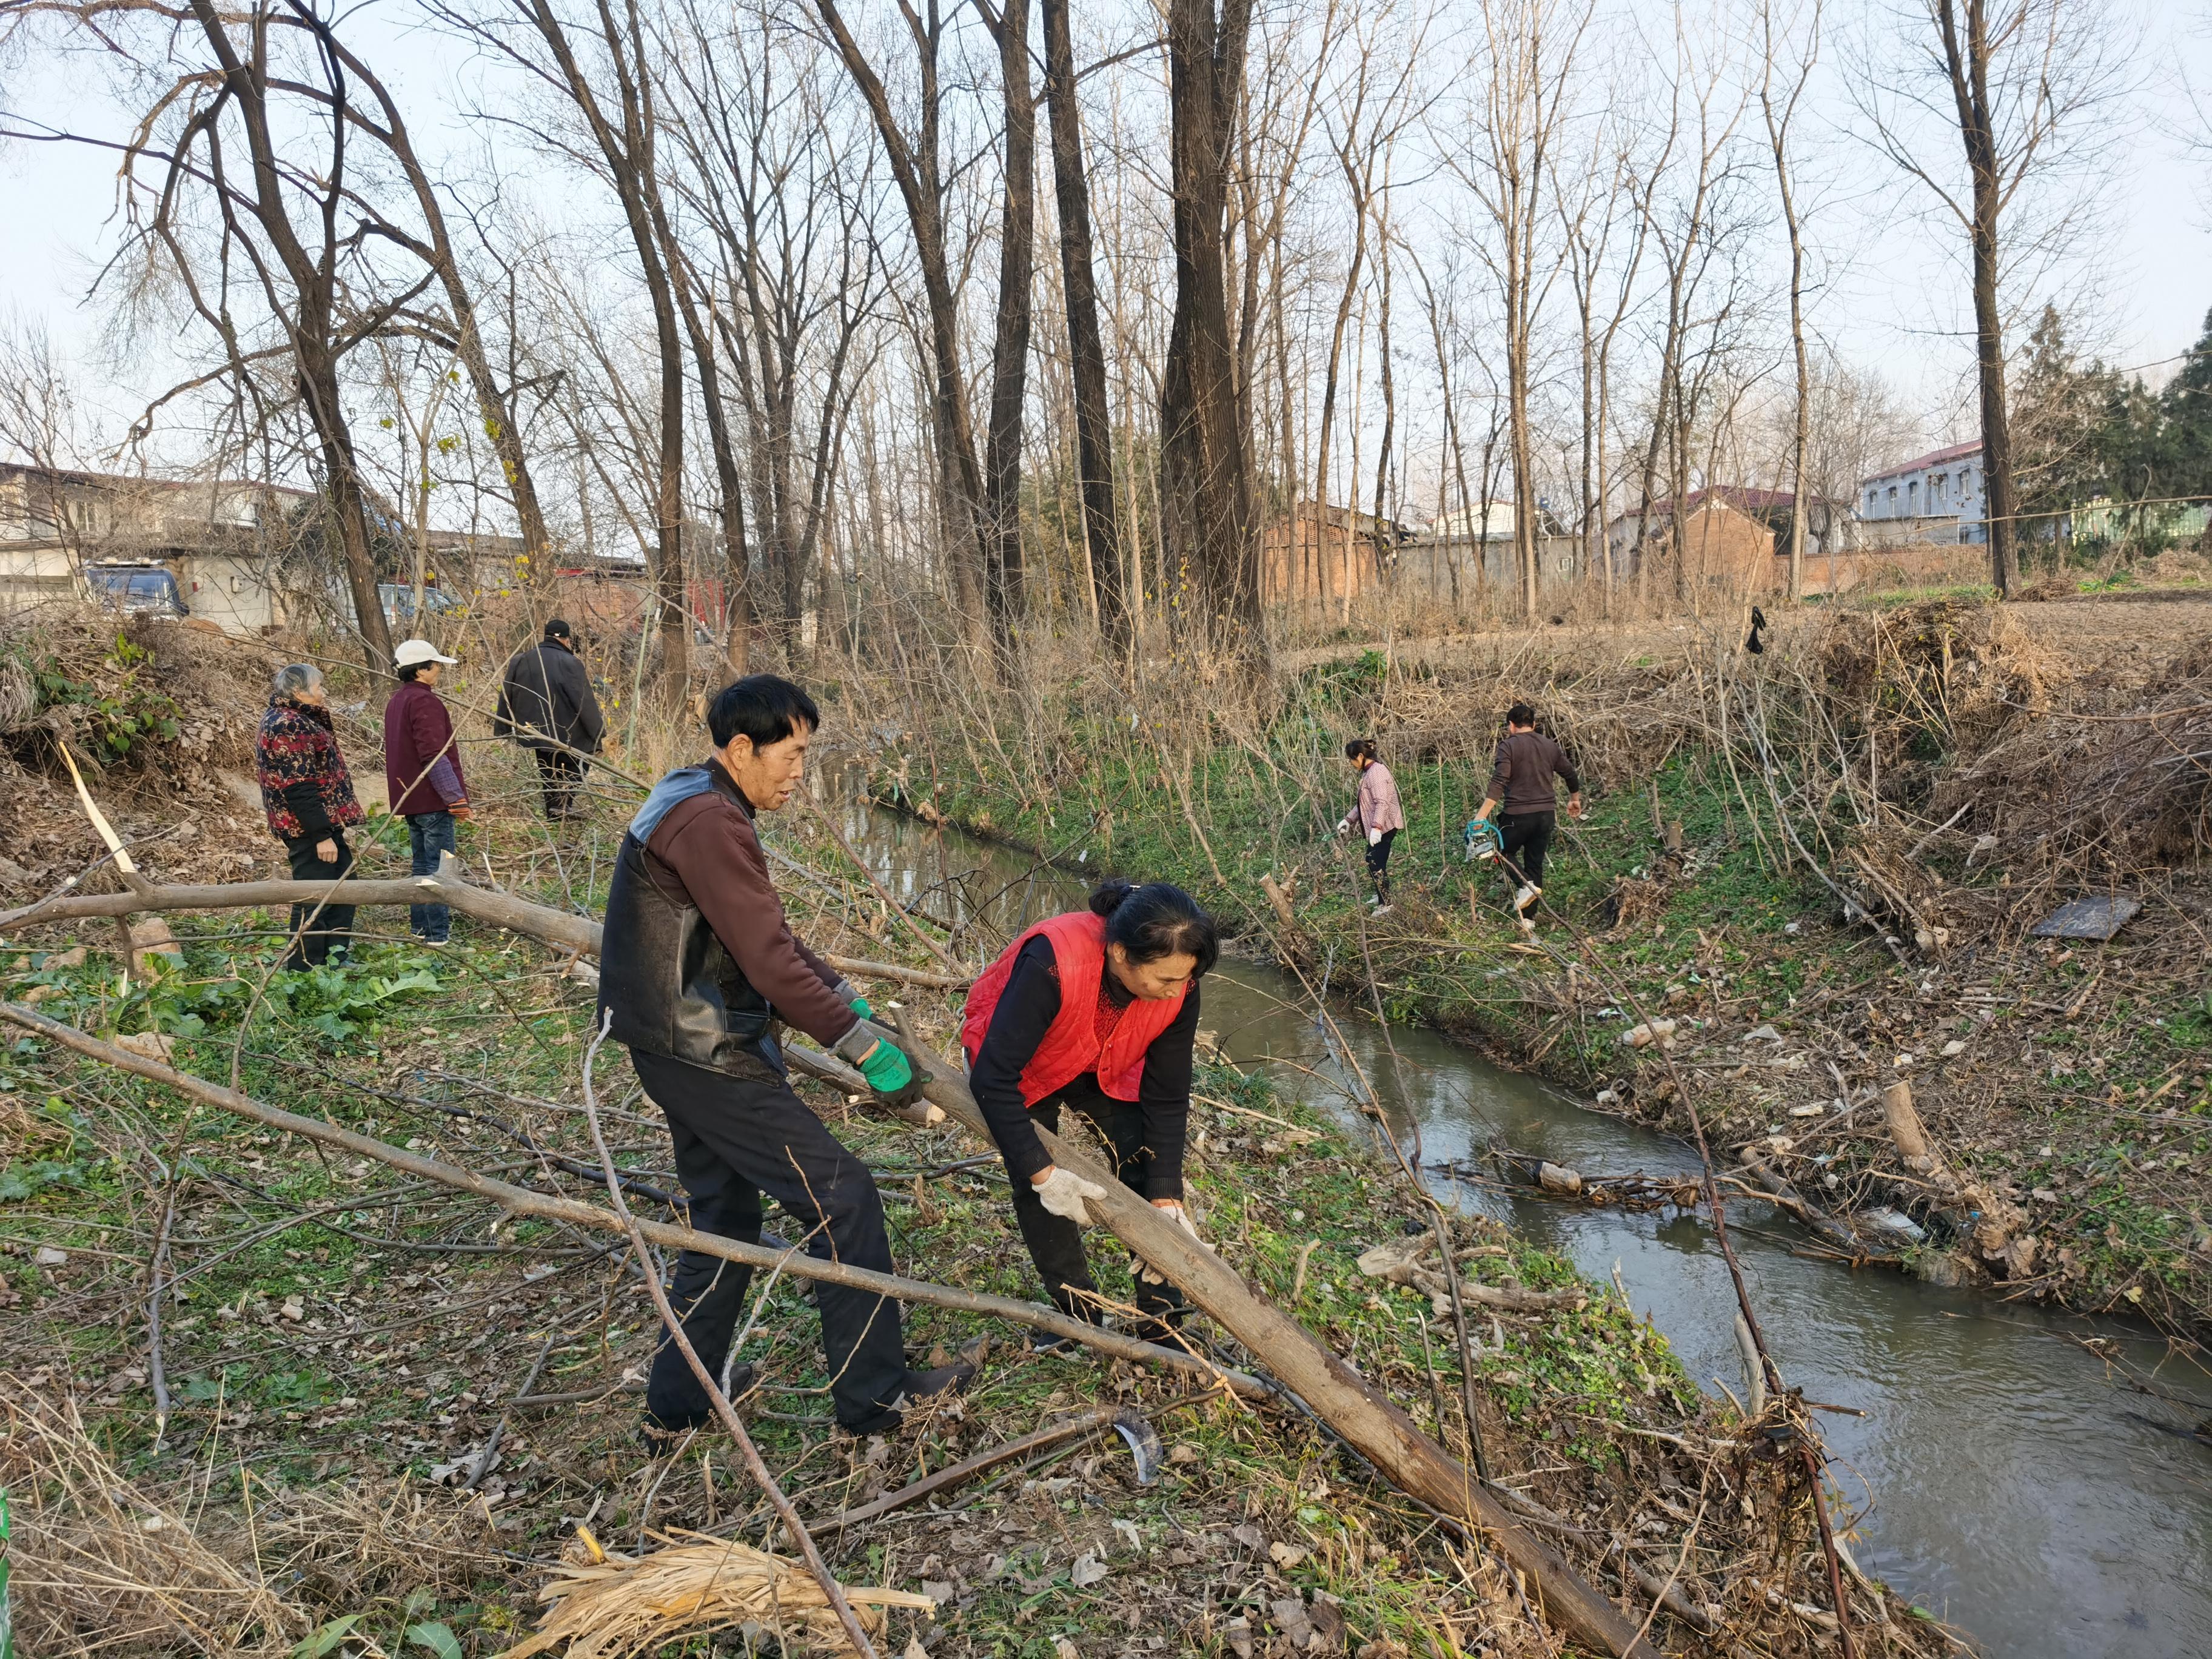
(621, 1604)
(344, 1544)
(101, 1565)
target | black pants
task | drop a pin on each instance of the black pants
(559, 771)
(1057, 1243)
(1523, 838)
(1379, 866)
(331, 928)
(737, 1138)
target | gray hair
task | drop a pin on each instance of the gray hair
(294, 677)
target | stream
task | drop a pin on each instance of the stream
(2000, 1480)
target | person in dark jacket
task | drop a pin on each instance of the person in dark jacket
(1095, 1010)
(307, 793)
(422, 774)
(546, 705)
(696, 966)
(1521, 776)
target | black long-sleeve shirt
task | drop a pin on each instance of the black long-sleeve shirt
(1026, 1011)
(306, 800)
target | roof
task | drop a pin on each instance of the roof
(1744, 498)
(141, 480)
(1933, 458)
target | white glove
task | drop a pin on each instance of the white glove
(1344, 824)
(1374, 837)
(1063, 1191)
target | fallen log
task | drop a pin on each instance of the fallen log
(562, 929)
(522, 1200)
(1354, 1408)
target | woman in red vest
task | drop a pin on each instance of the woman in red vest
(1096, 1010)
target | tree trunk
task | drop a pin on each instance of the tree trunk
(1968, 63)
(1010, 353)
(1777, 133)
(1205, 484)
(1094, 431)
(628, 157)
(736, 558)
(342, 491)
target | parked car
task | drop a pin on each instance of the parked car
(137, 590)
(398, 601)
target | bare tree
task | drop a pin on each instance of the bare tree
(1009, 25)
(301, 273)
(771, 176)
(2021, 84)
(622, 152)
(1528, 49)
(1371, 112)
(1781, 88)
(1693, 224)
(917, 167)
(1086, 351)
(1598, 195)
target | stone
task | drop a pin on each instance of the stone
(2098, 917)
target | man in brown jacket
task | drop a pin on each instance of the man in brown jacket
(1521, 774)
(696, 969)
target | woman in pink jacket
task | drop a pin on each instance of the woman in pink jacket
(1375, 813)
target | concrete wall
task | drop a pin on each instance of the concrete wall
(33, 576)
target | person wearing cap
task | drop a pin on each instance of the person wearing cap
(423, 773)
(546, 705)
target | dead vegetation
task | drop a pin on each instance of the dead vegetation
(102, 1565)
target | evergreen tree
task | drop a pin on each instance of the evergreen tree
(2185, 446)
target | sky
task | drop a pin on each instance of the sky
(1895, 300)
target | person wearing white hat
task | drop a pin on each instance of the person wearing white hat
(423, 773)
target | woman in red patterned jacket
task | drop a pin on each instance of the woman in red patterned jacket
(308, 795)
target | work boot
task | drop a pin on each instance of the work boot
(663, 1433)
(1050, 1345)
(919, 1386)
(1527, 896)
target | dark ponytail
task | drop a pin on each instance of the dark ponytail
(1156, 920)
(1359, 749)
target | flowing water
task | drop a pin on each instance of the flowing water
(2008, 1484)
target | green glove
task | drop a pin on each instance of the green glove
(860, 1006)
(891, 1077)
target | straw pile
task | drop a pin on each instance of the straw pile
(103, 1564)
(628, 1605)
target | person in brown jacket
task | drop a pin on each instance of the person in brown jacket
(1521, 774)
(697, 971)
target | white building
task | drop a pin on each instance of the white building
(1936, 497)
(1495, 520)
